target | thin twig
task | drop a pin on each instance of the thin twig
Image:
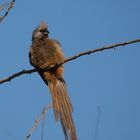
(37, 121)
(43, 126)
(11, 5)
(97, 123)
(68, 59)
(2, 6)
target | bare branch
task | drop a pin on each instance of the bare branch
(68, 59)
(37, 121)
(11, 5)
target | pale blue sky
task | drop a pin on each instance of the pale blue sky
(109, 79)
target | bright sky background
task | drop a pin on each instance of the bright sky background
(109, 79)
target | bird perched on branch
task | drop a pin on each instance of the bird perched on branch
(45, 52)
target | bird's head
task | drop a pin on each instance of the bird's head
(40, 32)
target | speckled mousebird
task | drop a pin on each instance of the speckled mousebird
(45, 52)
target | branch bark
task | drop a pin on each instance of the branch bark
(69, 59)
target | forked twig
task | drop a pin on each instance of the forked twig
(37, 121)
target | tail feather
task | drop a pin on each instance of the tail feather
(62, 107)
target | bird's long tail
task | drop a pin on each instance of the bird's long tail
(62, 107)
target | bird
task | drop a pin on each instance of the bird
(43, 53)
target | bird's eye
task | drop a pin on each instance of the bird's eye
(43, 30)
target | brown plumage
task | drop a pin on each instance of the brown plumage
(45, 52)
